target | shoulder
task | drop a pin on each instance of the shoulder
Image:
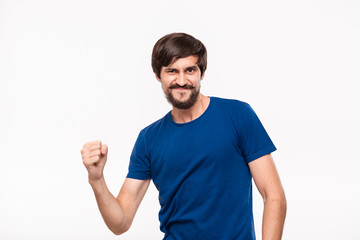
(233, 105)
(154, 127)
(237, 111)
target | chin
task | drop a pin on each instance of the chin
(184, 100)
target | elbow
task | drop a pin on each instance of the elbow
(118, 230)
(281, 202)
(277, 199)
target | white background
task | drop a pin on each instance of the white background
(72, 71)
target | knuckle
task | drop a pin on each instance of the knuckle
(91, 144)
(85, 162)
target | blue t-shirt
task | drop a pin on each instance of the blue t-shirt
(201, 170)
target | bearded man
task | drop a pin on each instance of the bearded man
(201, 156)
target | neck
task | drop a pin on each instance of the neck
(188, 115)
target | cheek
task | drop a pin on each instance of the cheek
(195, 80)
(165, 86)
(167, 81)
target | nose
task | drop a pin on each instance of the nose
(181, 80)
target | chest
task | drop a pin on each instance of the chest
(197, 155)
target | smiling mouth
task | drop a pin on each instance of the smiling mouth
(181, 89)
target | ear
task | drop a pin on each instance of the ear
(202, 76)
(157, 78)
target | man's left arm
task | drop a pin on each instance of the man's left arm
(268, 183)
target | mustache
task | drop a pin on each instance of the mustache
(184, 86)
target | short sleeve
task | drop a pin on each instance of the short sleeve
(139, 166)
(254, 140)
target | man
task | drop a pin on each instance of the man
(201, 156)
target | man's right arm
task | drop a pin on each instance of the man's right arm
(118, 213)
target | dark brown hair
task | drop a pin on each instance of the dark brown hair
(173, 46)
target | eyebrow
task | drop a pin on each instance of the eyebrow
(170, 69)
(192, 67)
(174, 69)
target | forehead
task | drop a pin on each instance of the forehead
(184, 62)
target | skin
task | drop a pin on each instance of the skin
(184, 71)
(268, 183)
(118, 213)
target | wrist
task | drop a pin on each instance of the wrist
(97, 183)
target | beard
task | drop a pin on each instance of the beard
(186, 104)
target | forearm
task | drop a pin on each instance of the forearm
(273, 218)
(110, 209)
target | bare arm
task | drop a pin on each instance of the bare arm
(118, 213)
(268, 183)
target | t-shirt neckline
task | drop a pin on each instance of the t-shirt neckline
(196, 120)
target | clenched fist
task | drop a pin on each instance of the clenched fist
(94, 155)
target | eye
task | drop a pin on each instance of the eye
(171, 70)
(191, 70)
